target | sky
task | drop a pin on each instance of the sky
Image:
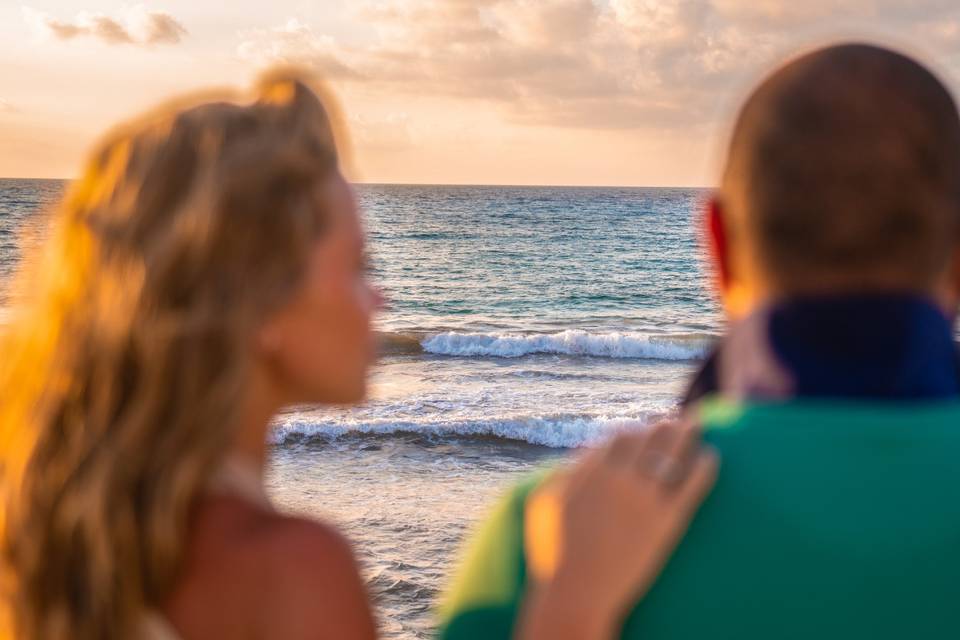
(578, 92)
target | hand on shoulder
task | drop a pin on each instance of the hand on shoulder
(598, 533)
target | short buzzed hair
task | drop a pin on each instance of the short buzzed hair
(844, 167)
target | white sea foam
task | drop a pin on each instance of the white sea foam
(558, 432)
(571, 342)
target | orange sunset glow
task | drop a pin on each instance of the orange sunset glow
(594, 92)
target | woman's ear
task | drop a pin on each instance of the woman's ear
(718, 243)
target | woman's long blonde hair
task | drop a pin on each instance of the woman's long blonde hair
(121, 371)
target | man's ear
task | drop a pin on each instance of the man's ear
(952, 293)
(718, 242)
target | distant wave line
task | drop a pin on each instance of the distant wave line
(573, 342)
(558, 432)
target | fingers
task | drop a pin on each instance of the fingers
(626, 448)
(669, 453)
(666, 452)
(698, 482)
(678, 440)
(587, 464)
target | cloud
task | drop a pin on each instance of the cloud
(7, 107)
(656, 64)
(294, 43)
(138, 26)
(162, 28)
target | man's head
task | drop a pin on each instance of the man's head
(843, 176)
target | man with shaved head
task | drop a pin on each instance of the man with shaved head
(844, 174)
(834, 397)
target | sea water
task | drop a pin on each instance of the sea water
(522, 323)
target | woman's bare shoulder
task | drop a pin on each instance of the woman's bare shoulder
(287, 577)
(318, 589)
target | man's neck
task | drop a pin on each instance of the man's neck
(879, 346)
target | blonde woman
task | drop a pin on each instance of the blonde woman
(206, 271)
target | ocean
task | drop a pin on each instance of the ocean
(523, 323)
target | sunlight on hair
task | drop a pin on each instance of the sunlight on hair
(121, 372)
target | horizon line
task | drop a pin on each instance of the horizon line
(531, 185)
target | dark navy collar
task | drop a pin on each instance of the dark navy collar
(859, 347)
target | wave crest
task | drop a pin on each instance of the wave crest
(564, 432)
(573, 342)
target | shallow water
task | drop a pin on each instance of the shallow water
(523, 322)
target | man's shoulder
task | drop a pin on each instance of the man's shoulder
(488, 587)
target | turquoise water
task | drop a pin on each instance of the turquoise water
(546, 315)
(522, 322)
(525, 259)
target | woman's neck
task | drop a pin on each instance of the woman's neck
(250, 443)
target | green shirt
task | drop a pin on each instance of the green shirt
(828, 520)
